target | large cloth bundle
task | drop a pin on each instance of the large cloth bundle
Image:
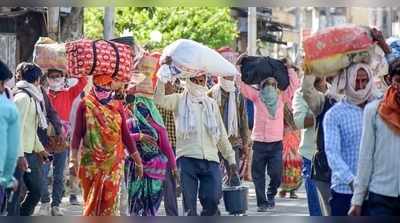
(255, 69)
(394, 44)
(334, 48)
(99, 57)
(378, 62)
(49, 54)
(190, 58)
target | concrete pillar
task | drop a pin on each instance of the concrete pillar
(53, 21)
(252, 31)
(108, 23)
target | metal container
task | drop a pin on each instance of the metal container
(235, 199)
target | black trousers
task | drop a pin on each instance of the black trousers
(266, 155)
(379, 205)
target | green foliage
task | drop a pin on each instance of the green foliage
(211, 26)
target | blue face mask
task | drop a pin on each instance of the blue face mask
(269, 95)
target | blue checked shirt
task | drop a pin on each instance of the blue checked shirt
(343, 128)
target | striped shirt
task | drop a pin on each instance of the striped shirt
(379, 166)
(342, 127)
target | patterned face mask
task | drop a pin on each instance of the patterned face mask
(102, 94)
(269, 95)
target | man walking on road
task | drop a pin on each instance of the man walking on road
(378, 167)
(342, 127)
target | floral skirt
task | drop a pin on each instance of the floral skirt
(292, 161)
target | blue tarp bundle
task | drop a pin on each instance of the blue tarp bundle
(394, 44)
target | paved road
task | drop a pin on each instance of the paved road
(284, 206)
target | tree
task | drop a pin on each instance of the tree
(211, 26)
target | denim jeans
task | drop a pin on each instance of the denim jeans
(340, 203)
(33, 185)
(59, 162)
(267, 155)
(13, 201)
(201, 177)
(324, 195)
(311, 190)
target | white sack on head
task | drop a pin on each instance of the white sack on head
(192, 58)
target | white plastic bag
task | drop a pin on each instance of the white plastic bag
(191, 58)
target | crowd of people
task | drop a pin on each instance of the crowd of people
(128, 151)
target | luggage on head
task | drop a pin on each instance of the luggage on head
(190, 58)
(87, 57)
(334, 48)
(49, 54)
(255, 69)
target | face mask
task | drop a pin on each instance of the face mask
(56, 84)
(227, 85)
(102, 94)
(196, 90)
(72, 82)
(269, 96)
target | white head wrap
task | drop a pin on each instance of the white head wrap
(346, 82)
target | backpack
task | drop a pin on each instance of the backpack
(320, 167)
(41, 132)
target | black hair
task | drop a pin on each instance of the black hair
(127, 40)
(394, 67)
(30, 72)
(53, 70)
(5, 73)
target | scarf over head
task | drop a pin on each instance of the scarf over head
(346, 82)
(37, 95)
(228, 86)
(389, 110)
(102, 80)
(143, 103)
(186, 125)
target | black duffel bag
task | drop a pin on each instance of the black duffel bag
(255, 69)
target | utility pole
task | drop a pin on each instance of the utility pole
(388, 22)
(315, 20)
(108, 23)
(53, 21)
(252, 31)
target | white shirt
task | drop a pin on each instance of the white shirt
(379, 160)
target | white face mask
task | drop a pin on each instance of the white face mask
(196, 90)
(227, 85)
(56, 84)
